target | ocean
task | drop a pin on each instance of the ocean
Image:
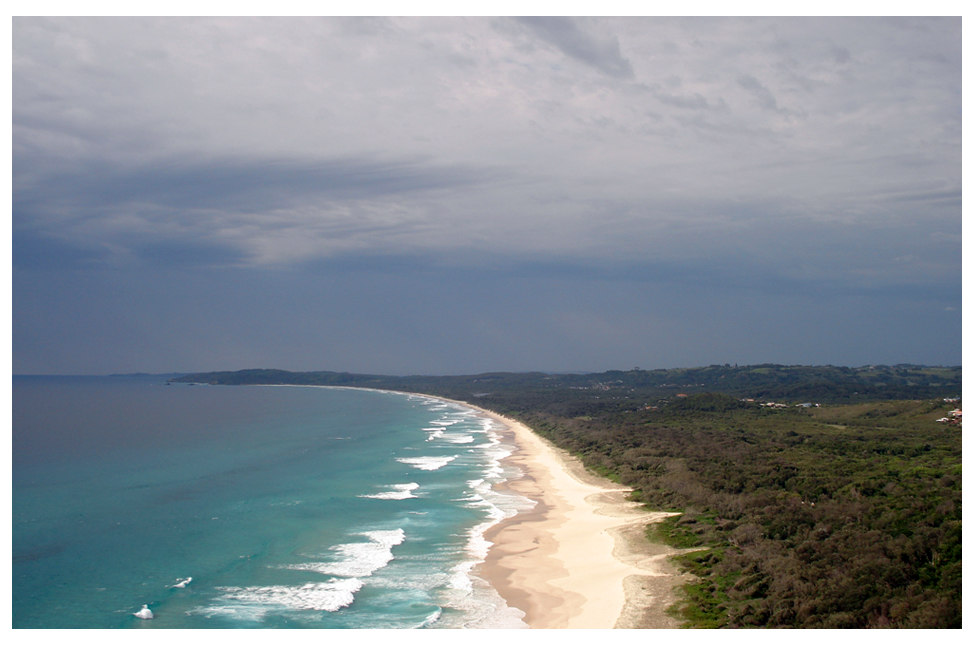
(251, 507)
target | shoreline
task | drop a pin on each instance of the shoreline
(580, 559)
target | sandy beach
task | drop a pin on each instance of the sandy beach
(580, 558)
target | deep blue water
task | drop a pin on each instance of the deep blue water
(288, 507)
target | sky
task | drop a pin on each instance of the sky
(463, 195)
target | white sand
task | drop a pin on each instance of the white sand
(581, 558)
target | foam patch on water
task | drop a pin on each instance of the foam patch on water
(431, 619)
(457, 438)
(428, 463)
(396, 492)
(358, 559)
(254, 602)
(480, 607)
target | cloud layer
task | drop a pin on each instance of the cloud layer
(800, 155)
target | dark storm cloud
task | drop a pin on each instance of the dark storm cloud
(458, 321)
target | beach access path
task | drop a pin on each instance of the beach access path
(580, 558)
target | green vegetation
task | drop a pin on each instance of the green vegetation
(839, 516)
(822, 384)
(846, 514)
(674, 531)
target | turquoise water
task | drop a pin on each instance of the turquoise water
(286, 507)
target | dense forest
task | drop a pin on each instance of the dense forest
(833, 517)
(840, 507)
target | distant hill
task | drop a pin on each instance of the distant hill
(818, 384)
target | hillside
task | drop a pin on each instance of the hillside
(821, 384)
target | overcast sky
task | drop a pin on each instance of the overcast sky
(447, 196)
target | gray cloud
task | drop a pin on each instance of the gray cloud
(242, 184)
(789, 162)
(46, 253)
(223, 206)
(759, 91)
(602, 53)
(694, 101)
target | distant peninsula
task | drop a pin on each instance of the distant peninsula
(824, 384)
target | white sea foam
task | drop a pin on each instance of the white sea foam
(431, 618)
(467, 600)
(358, 559)
(397, 492)
(471, 601)
(428, 463)
(254, 602)
(480, 606)
(457, 438)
